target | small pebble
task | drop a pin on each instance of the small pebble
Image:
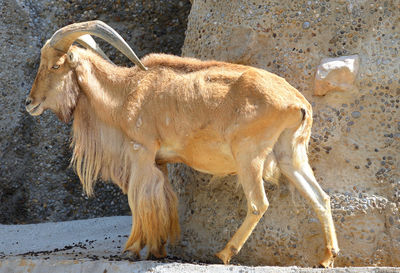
(306, 25)
(356, 114)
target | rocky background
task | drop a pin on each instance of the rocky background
(354, 148)
(355, 143)
(36, 184)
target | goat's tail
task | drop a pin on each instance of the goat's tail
(154, 211)
(298, 139)
(301, 138)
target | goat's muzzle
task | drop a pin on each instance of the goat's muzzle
(31, 108)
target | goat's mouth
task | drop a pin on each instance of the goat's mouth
(34, 110)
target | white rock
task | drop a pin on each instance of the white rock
(336, 74)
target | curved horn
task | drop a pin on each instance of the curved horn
(88, 42)
(63, 38)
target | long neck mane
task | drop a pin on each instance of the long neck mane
(99, 146)
(99, 150)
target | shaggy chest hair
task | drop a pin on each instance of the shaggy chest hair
(99, 150)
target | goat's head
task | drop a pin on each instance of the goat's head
(55, 86)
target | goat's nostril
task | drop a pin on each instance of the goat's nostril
(28, 101)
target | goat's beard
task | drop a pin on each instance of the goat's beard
(65, 115)
(68, 102)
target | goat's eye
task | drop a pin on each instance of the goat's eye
(56, 66)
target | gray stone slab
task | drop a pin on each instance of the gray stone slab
(100, 236)
(95, 245)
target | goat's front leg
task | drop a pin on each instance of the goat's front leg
(154, 207)
(250, 177)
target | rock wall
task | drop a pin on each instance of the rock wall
(36, 184)
(354, 148)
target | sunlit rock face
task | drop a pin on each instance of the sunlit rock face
(354, 147)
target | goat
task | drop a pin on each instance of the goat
(217, 117)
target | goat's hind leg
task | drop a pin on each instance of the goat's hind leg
(250, 177)
(294, 165)
(332, 248)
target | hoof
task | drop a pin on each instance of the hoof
(134, 249)
(126, 254)
(326, 264)
(156, 254)
(226, 254)
(330, 255)
(223, 257)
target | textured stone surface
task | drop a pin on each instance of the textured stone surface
(354, 148)
(36, 184)
(336, 74)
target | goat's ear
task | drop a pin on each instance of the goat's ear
(72, 58)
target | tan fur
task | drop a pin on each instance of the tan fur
(216, 117)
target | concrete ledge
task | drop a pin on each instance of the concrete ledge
(101, 266)
(101, 236)
(95, 245)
